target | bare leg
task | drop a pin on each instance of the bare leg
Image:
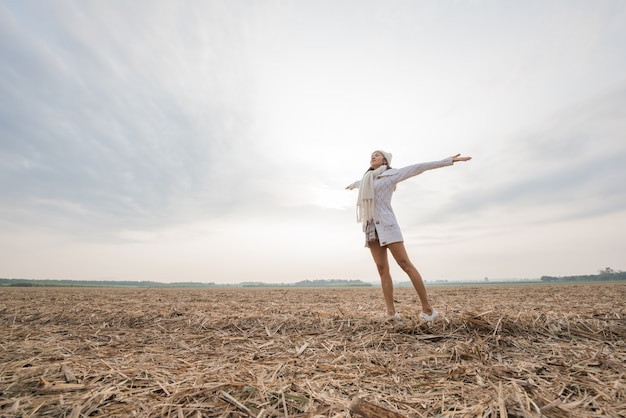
(382, 264)
(402, 258)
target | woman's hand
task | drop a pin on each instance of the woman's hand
(457, 158)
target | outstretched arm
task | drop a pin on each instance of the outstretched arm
(404, 173)
(457, 158)
(354, 185)
(414, 170)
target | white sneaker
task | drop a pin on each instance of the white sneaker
(394, 317)
(431, 317)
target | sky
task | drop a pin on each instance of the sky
(212, 141)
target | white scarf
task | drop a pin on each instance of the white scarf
(365, 201)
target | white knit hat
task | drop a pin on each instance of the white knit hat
(387, 156)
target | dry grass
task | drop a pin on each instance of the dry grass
(516, 351)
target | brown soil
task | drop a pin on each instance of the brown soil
(516, 351)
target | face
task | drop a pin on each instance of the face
(377, 160)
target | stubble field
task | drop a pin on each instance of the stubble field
(516, 351)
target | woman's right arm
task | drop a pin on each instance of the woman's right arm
(354, 185)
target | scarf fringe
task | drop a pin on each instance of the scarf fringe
(365, 201)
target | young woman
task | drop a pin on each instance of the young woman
(381, 228)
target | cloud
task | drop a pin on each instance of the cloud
(568, 167)
(162, 125)
(105, 123)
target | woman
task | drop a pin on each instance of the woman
(381, 228)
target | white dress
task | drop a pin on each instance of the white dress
(384, 219)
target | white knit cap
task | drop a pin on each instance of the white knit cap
(387, 156)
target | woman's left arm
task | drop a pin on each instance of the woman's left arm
(457, 158)
(413, 170)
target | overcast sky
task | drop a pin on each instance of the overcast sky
(211, 141)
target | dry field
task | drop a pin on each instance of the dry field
(516, 351)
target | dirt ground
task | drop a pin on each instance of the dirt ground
(516, 351)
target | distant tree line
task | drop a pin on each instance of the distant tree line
(332, 282)
(608, 274)
(95, 283)
(127, 283)
(312, 283)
